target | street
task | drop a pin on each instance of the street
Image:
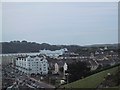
(22, 79)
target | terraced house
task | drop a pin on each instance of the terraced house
(32, 64)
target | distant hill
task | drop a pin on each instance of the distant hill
(103, 45)
(26, 47)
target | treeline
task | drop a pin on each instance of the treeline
(26, 47)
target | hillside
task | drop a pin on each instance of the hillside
(91, 81)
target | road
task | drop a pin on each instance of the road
(21, 78)
(42, 84)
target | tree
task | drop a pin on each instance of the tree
(77, 71)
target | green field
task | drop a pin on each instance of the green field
(91, 81)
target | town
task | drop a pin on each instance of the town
(57, 45)
(50, 69)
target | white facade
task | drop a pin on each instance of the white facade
(55, 53)
(56, 68)
(32, 65)
(65, 66)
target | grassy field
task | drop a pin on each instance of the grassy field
(92, 81)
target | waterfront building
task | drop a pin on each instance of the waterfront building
(32, 64)
(53, 54)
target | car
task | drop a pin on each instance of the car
(12, 72)
(34, 85)
(38, 87)
(42, 87)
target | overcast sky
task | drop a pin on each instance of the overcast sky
(61, 23)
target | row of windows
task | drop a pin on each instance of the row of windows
(28, 63)
(31, 60)
(31, 65)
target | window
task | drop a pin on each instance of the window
(44, 69)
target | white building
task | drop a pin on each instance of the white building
(53, 54)
(56, 68)
(32, 64)
(65, 67)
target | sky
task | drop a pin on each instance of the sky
(76, 23)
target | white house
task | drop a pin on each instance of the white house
(65, 67)
(56, 68)
(32, 64)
